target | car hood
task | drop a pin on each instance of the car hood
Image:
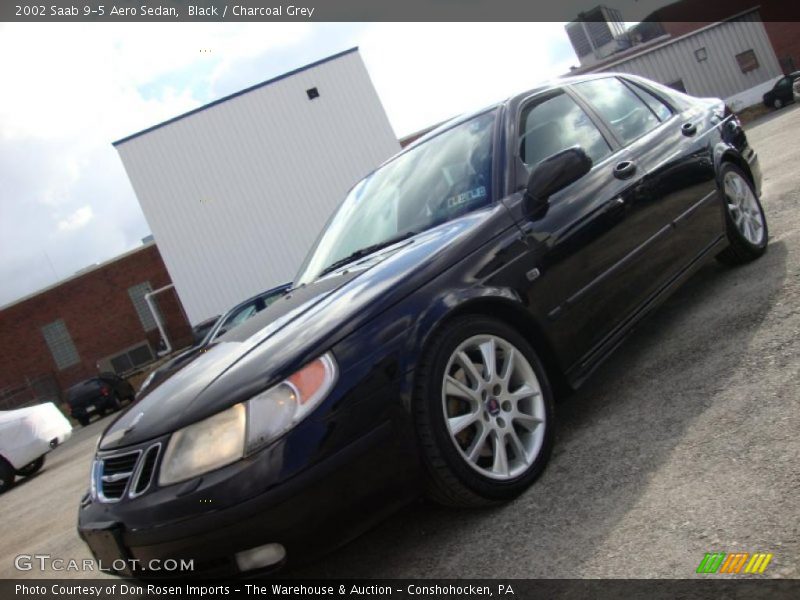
(297, 328)
(173, 365)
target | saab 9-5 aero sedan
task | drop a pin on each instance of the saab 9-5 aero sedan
(503, 255)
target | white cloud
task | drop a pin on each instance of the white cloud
(83, 81)
(69, 90)
(76, 220)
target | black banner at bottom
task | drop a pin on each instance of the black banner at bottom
(406, 589)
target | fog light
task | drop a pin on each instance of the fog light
(258, 558)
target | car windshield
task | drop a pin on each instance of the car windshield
(436, 181)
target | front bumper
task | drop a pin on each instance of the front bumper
(310, 513)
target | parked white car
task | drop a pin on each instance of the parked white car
(26, 435)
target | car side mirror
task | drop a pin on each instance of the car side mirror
(553, 174)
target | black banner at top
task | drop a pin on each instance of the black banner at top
(383, 10)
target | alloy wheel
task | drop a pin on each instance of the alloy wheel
(493, 407)
(743, 208)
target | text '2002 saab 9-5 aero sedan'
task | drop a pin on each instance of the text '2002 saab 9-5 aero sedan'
(501, 256)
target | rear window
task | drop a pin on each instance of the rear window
(83, 387)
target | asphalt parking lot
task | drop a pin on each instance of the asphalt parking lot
(684, 442)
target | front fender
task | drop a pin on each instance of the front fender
(458, 302)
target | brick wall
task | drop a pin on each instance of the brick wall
(785, 38)
(98, 313)
(686, 16)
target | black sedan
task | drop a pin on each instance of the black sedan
(781, 93)
(501, 257)
(97, 396)
(200, 331)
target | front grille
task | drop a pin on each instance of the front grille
(115, 472)
(144, 472)
(131, 472)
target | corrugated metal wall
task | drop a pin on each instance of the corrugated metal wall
(719, 75)
(236, 194)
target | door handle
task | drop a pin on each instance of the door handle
(688, 129)
(625, 169)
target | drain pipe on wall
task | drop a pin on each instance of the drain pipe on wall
(148, 297)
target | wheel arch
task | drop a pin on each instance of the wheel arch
(505, 306)
(727, 154)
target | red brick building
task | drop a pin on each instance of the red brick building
(97, 320)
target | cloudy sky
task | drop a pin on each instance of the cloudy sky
(69, 90)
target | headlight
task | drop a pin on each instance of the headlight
(209, 444)
(281, 407)
(248, 426)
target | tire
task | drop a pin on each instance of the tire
(6, 475)
(463, 462)
(84, 421)
(31, 467)
(745, 221)
(777, 103)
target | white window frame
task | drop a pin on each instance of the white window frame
(59, 342)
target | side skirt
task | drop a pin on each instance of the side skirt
(584, 367)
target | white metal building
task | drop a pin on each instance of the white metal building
(731, 59)
(235, 192)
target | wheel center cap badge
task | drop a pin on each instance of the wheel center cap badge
(493, 406)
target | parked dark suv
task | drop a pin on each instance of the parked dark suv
(97, 396)
(503, 255)
(781, 93)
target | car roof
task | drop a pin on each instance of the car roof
(84, 383)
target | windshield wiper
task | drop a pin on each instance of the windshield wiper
(362, 252)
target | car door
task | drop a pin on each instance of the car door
(583, 249)
(677, 210)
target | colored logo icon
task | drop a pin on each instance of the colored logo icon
(736, 562)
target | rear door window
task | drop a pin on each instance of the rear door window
(659, 108)
(626, 113)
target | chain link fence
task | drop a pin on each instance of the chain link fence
(35, 390)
